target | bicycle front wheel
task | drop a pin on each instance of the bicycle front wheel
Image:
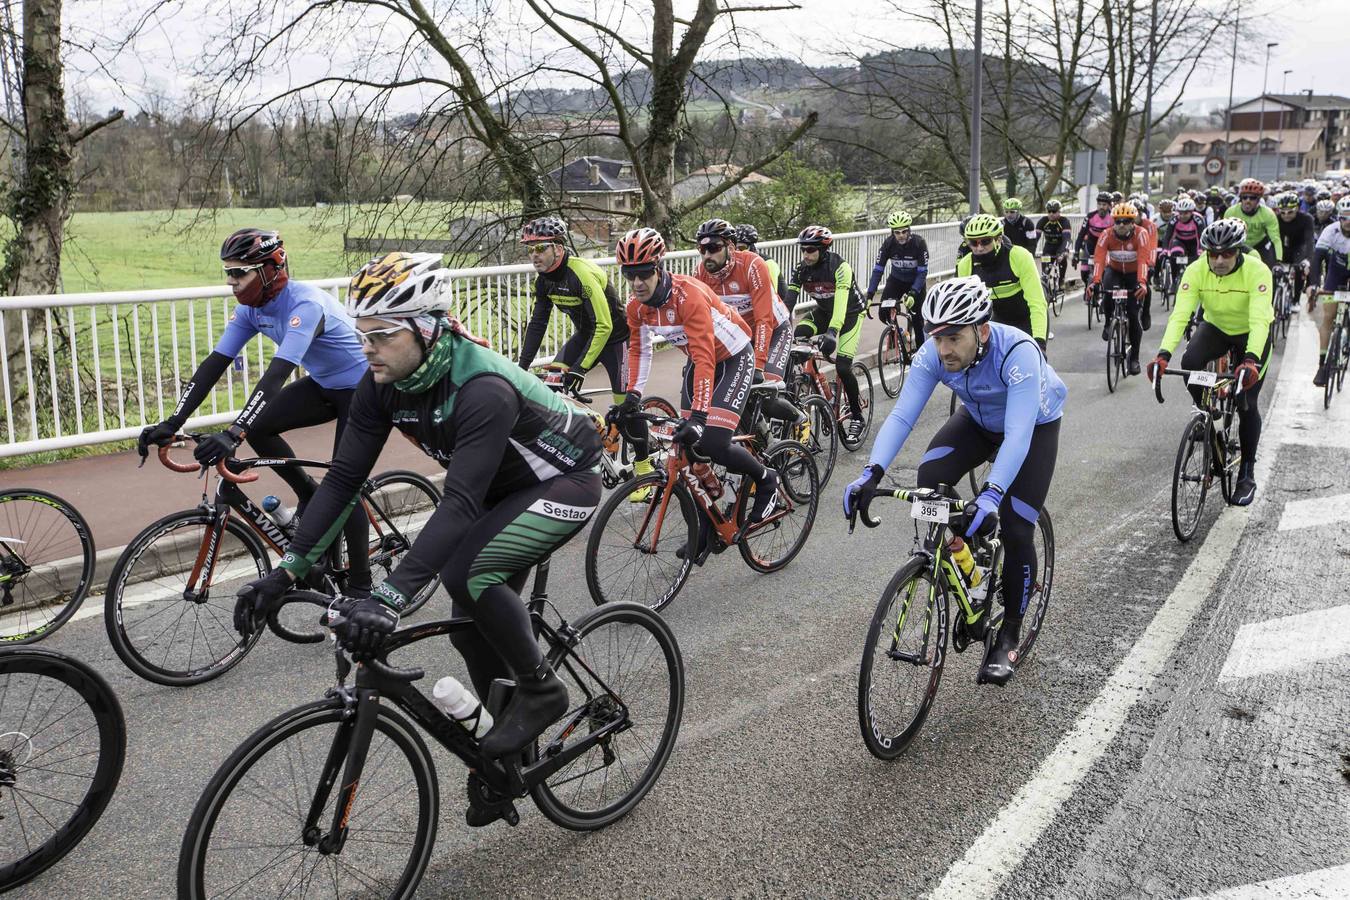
(171, 622)
(626, 559)
(1190, 477)
(625, 668)
(864, 379)
(773, 543)
(891, 361)
(248, 834)
(1114, 350)
(403, 501)
(902, 660)
(1333, 350)
(63, 740)
(46, 564)
(819, 434)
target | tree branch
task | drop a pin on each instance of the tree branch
(81, 134)
(782, 147)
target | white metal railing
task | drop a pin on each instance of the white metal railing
(79, 369)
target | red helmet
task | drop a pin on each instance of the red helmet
(1251, 186)
(815, 236)
(641, 247)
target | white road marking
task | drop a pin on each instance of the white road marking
(1289, 642)
(1317, 511)
(1323, 884)
(993, 856)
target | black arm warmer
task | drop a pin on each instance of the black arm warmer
(272, 381)
(195, 391)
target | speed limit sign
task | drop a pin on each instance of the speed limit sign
(1213, 166)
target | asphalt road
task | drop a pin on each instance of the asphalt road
(1204, 782)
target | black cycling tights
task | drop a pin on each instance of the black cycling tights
(843, 367)
(716, 444)
(1208, 344)
(961, 445)
(486, 573)
(303, 404)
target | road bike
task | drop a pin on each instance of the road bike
(643, 552)
(1209, 446)
(1052, 281)
(1091, 295)
(46, 564)
(340, 797)
(1117, 344)
(1283, 277)
(63, 741)
(804, 378)
(1338, 347)
(1165, 279)
(169, 607)
(617, 453)
(895, 348)
(906, 644)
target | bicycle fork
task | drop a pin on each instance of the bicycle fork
(346, 756)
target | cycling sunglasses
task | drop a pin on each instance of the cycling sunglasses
(637, 273)
(1249, 196)
(536, 249)
(378, 337)
(1221, 254)
(980, 242)
(240, 271)
(706, 249)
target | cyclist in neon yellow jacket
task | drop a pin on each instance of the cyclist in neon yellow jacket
(1010, 272)
(1234, 288)
(1263, 228)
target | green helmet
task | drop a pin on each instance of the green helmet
(983, 226)
(899, 220)
(1012, 203)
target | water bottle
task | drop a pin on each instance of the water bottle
(964, 560)
(454, 699)
(282, 515)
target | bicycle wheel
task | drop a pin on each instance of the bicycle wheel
(160, 621)
(661, 407)
(626, 664)
(1227, 462)
(890, 361)
(46, 564)
(902, 660)
(774, 543)
(1112, 349)
(63, 740)
(1333, 350)
(820, 435)
(621, 561)
(1087, 301)
(1043, 540)
(1342, 357)
(1191, 477)
(403, 500)
(247, 835)
(864, 378)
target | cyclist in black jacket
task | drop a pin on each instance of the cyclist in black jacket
(521, 479)
(1298, 237)
(907, 253)
(1017, 227)
(1055, 230)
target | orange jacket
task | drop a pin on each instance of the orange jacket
(1122, 254)
(746, 286)
(694, 319)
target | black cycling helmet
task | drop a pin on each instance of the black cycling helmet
(1052, 206)
(714, 231)
(747, 235)
(254, 245)
(544, 230)
(1103, 196)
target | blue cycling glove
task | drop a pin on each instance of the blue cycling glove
(985, 519)
(859, 494)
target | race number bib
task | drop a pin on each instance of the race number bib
(1202, 378)
(888, 303)
(932, 510)
(1341, 296)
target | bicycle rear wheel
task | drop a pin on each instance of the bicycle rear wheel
(403, 500)
(820, 435)
(1190, 477)
(46, 564)
(160, 620)
(891, 360)
(1333, 350)
(625, 667)
(622, 563)
(1038, 603)
(1113, 349)
(902, 660)
(772, 544)
(62, 745)
(247, 837)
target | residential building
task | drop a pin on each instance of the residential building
(1293, 154)
(1328, 113)
(698, 183)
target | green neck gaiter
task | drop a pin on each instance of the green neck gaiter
(432, 369)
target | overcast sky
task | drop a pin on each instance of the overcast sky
(814, 33)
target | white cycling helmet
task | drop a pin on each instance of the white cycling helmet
(399, 285)
(1343, 207)
(1326, 207)
(1185, 204)
(957, 302)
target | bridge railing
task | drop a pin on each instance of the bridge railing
(81, 369)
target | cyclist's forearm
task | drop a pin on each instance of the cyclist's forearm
(875, 280)
(197, 389)
(534, 332)
(265, 391)
(898, 425)
(920, 280)
(599, 321)
(1020, 421)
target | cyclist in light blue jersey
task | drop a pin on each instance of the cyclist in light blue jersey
(1012, 403)
(310, 329)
